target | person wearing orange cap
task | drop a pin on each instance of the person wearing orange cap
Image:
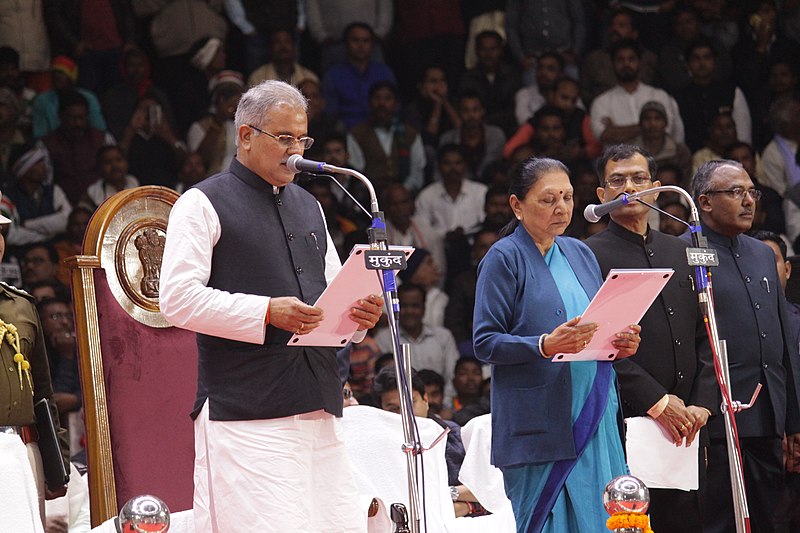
(64, 73)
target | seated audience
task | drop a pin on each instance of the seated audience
(432, 347)
(339, 226)
(11, 137)
(404, 228)
(122, 100)
(769, 213)
(71, 242)
(431, 112)
(192, 171)
(468, 384)
(496, 209)
(493, 80)
(47, 106)
(597, 72)
(214, 135)
(549, 69)
(334, 151)
(673, 72)
(581, 142)
(112, 167)
(151, 145)
(721, 132)
(422, 270)
(42, 207)
(706, 95)
(615, 112)
(550, 137)
(781, 167)
(481, 143)
(387, 397)
(283, 65)
(12, 79)
(39, 263)
(347, 85)
(45, 290)
(653, 138)
(760, 43)
(669, 225)
(434, 389)
(454, 205)
(321, 124)
(461, 302)
(385, 148)
(73, 146)
(58, 328)
(362, 357)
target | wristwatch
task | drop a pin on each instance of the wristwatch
(454, 493)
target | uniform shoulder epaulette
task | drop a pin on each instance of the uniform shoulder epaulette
(17, 291)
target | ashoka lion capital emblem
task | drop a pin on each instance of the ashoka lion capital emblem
(151, 250)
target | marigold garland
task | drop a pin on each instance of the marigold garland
(9, 332)
(629, 520)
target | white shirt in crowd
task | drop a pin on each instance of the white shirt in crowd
(444, 213)
(623, 109)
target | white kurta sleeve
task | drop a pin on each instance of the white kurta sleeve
(186, 301)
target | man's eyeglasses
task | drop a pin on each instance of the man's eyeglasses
(738, 192)
(617, 182)
(288, 141)
(60, 316)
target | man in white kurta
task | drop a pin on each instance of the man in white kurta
(246, 255)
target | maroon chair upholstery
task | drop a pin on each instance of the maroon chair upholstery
(138, 374)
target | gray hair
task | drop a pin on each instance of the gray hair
(701, 183)
(263, 98)
(779, 115)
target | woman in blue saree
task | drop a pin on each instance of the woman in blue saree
(555, 433)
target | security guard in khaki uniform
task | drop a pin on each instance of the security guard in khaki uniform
(25, 378)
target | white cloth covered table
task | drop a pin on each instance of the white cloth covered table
(374, 438)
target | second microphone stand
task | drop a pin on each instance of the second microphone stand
(412, 447)
(701, 257)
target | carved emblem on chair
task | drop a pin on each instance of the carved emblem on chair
(151, 250)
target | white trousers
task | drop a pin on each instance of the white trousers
(21, 499)
(278, 475)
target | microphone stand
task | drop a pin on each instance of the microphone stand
(701, 257)
(412, 446)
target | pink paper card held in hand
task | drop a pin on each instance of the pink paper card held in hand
(353, 282)
(624, 298)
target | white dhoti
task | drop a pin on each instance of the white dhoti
(276, 475)
(19, 498)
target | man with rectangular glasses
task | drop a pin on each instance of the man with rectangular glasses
(751, 316)
(668, 379)
(247, 254)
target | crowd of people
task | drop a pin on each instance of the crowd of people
(463, 114)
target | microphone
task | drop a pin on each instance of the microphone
(594, 212)
(297, 163)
